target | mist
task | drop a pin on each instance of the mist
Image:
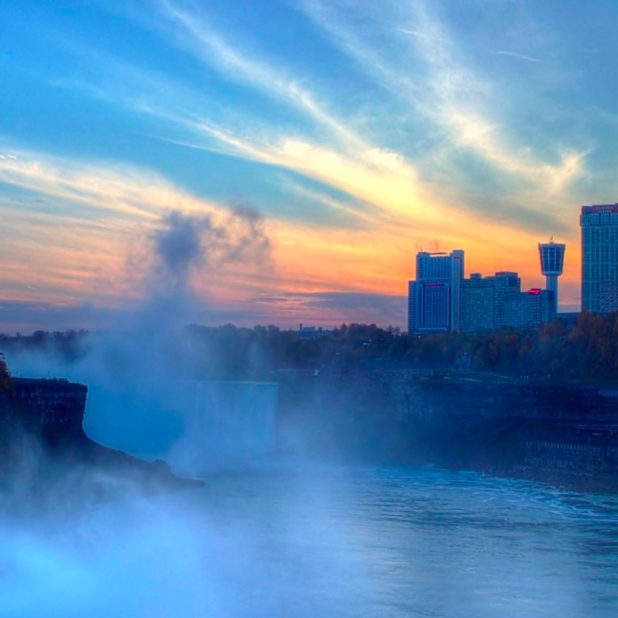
(350, 529)
(89, 543)
(188, 554)
(65, 551)
(139, 374)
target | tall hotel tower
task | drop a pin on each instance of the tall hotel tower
(434, 301)
(599, 258)
(552, 263)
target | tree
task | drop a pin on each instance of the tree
(5, 376)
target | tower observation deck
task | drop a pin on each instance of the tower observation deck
(552, 264)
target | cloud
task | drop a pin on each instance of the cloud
(517, 55)
(341, 159)
(454, 101)
(99, 210)
(421, 35)
(25, 316)
(87, 259)
(193, 34)
(110, 189)
(463, 102)
(415, 145)
(222, 253)
(356, 213)
(446, 90)
(333, 308)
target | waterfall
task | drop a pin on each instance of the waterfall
(194, 425)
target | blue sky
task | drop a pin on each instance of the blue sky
(360, 131)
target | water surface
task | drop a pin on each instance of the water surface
(322, 541)
(408, 542)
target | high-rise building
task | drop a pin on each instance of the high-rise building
(552, 262)
(434, 300)
(441, 300)
(506, 283)
(483, 298)
(477, 303)
(599, 226)
(529, 308)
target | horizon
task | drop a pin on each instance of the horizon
(312, 147)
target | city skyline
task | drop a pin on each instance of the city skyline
(484, 126)
(441, 299)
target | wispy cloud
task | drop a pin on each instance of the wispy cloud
(333, 308)
(364, 214)
(518, 56)
(418, 151)
(451, 93)
(194, 35)
(101, 210)
(380, 177)
(85, 258)
(464, 102)
(420, 35)
(338, 155)
(453, 98)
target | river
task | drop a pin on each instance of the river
(325, 541)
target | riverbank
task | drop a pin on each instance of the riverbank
(564, 435)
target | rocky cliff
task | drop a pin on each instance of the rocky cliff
(41, 432)
(564, 434)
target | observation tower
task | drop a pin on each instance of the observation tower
(552, 263)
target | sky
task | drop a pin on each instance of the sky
(355, 132)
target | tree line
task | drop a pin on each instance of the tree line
(582, 348)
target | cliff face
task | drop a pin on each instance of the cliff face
(562, 434)
(49, 412)
(51, 409)
(45, 417)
